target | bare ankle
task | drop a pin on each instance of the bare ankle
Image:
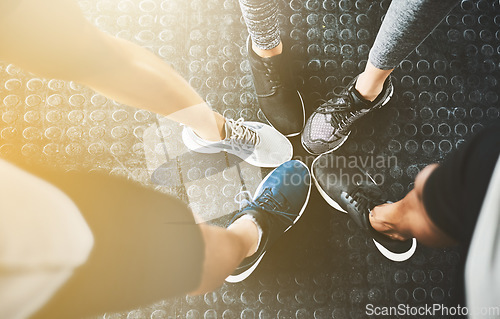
(386, 220)
(211, 134)
(367, 88)
(268, 53)
(371, 82)
(248, 231)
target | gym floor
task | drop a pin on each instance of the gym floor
(324, 267)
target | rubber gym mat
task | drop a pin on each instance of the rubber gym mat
(324, 267)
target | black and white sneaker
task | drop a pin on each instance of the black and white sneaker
(276, 91)
(350, 189)
(278, 203)
(330, 124)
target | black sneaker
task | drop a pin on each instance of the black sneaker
(330, 124)
(350, 189)
(278, 203)
(278, 97)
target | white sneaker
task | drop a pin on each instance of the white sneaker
(256, 143)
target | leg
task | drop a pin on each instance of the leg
(408, 217)
(53, 39)
(146, 248)
(225, 249)
(276, 91)
(405, 26)
(444, 205)
(261, 18)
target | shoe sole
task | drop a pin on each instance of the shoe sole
(384, 251)
(394, 256)
(303, 118)
(323, 194)
(192, 146)
(338, 146)
(244, 275)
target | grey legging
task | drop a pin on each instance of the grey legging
(406, 24)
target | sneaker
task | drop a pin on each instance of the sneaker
(256, 143)
(278, 203)
(350, 189)
(278, 97)
(330, 124)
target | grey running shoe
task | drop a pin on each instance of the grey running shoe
(277, 205)
(256, 143)
(350, 189)
(330, 124)
(278, 97)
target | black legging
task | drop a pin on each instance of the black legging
(406, 24)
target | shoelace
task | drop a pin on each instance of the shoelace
(241, 133)
(243, 198)
(265, 201)
(272, 73)
(365, 197)
(341, 116)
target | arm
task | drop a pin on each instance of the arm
(53, 39)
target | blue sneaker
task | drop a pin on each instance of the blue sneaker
(278, 203)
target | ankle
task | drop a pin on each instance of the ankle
(249, 231)
(385, 217)
(367, 88)
(214, 135)
(389, 219)
(268, 53)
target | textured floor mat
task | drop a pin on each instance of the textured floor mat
(325, 267)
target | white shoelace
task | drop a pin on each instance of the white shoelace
(243, 198)
(241, 133)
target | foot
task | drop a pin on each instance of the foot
(350, 189)
(278, 203)
(278, 97)
(256, 143)
(330, 124)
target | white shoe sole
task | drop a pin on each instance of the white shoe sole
(323, 194)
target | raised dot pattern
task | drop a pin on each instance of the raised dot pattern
(444, 92)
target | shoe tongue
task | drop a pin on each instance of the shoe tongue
(277, 195)
(374, 193)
